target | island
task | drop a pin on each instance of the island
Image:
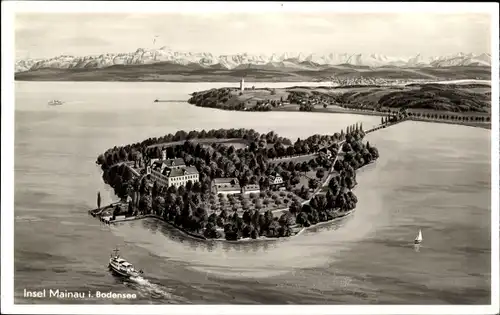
(236, 184)
(464, 103)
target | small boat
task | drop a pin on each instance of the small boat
(122, 267)
(156, 101)
(55, 102)
(419, 238)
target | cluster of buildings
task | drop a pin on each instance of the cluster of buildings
(175, 172)
(229, 186)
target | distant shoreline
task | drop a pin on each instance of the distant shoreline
(380, 114)
(176, 73)
(343, 100)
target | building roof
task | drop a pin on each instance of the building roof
(190, 170)
(249, 187)
(276, 179)
(225, 180)
(230, 188)
(172, 162)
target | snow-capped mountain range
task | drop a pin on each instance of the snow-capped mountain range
(298, 61)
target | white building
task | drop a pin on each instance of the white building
(226, 186)
(180, 176)
(242, 85)
(275, 180)
(248, 189)
(159, 178)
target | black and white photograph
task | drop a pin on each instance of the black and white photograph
(249, 157)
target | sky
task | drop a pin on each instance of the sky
(45, 35)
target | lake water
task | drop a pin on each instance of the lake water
(429, 176)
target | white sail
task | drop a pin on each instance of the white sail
(419, 236)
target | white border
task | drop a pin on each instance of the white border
(7, 174)
(255, 7)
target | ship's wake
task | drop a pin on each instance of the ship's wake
(148, 289)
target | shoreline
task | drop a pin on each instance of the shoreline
(293, 226)
(241, 240)
(474, 108)
(369, 113)
(200, 237)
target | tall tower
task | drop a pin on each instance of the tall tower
(242, 85)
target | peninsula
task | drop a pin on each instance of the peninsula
(236, 184)
(460, 103)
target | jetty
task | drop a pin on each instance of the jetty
(122, 218)
(99, 211)
(169, 101)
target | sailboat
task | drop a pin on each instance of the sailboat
(419, 238)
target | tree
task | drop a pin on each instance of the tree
(211, 231)
(130, 210)
(145, 204)
(189, 185)
(202, 215)
(247, 230)
(231, 231)
(295, 207)
(302, 219)
(154, 190)
(159, 205)
(305, 167)
(313, 183)
(346, 147)
(286, 219)
(258, 204)
(99, 200)
(220, 222)
(213, 218)
(196, 187)
(247, 217)
(320, 173)
(313, 164)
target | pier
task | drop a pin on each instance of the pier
(118, 219)
(98, 211)
(169, 101)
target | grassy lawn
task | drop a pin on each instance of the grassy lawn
(288, 107)
(236, 143)
(304, 179)
(230, 141)
(250, 97)
(295, 159)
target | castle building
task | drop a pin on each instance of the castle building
(180, 176)
(168, 172)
